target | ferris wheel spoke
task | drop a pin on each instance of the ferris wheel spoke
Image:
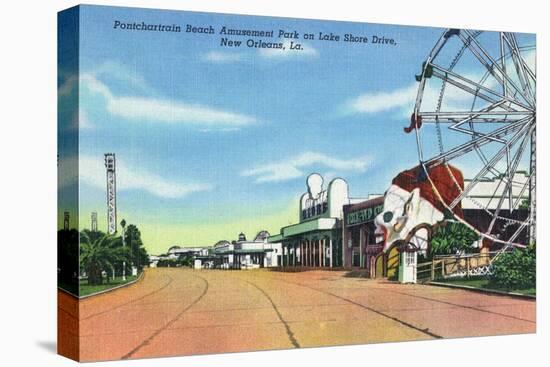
(494, 64)
(483, 115)
(489, 63)
(474, 120)
(520, 72)
(496, 158)
(474, 133)
(447, 72)
(520, 65)
(508, 188)
(485, 161)
(490, 69)
(466, 88)
(474, 88)
(479, 141)
(529, 73)
(503, 62)
(469, 120)
(441, 114)
(457, 126)
(518, 232)
(528, 183)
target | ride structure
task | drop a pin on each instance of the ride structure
(476, 108)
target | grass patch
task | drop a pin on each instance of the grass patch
(86, 289)
(485, 283)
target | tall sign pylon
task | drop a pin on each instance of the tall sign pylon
(110, 166)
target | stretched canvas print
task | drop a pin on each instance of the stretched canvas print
(235, 183)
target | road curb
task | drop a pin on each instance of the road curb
(114, 288)
(480, 290)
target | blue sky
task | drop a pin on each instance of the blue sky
(206, 135)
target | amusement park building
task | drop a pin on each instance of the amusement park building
(484, 197)
(360, 247)
(316, 240)
(175, 252)
(243, 254)
(487, 192)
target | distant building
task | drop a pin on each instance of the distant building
(177, 251)
(153, 260)
(244, 254)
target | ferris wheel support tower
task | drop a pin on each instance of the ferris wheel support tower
(532, 190)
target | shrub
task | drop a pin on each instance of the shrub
(451, 237)
(516, 269)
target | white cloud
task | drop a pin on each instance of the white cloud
(121, 72)
(174, 112)
(293, 167)
(164, 110)
(222, 57)
(404, 98)
(223, 130)
(384, 101)
(84, 121)
(278, 53)
(92, 172)
(79, 120)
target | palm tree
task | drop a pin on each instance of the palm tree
(451, 237)
(99, 253)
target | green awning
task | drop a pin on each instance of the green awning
(252, 251)
(275, 238)
(318, 224)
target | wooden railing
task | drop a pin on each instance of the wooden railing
(455, 266)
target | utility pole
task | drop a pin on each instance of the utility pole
(123, 225)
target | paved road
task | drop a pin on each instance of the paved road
(181, 312)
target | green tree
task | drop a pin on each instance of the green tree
(186, 260)
(451, 237)
(167, 263)
(138, 253)
(525, 204)
(516, 269)
(100, 252)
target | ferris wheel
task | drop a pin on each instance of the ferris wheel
(476, 110)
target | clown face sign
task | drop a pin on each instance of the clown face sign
(411, 205)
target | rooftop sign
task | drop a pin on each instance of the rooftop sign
(364, 215)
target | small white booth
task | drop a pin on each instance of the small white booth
(407, 266)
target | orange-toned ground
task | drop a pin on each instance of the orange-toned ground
(182, 311)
